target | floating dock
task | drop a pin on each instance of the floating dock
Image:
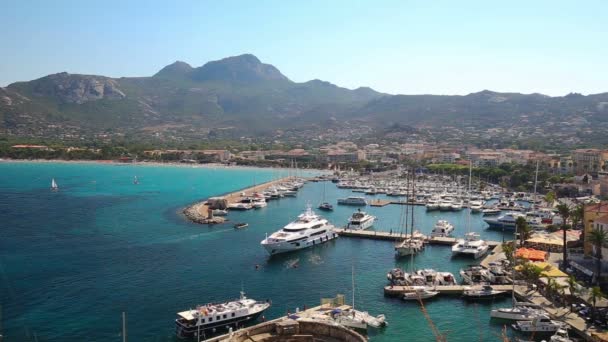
(396, 291)
(394, 236)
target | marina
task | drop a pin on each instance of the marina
(292, 279)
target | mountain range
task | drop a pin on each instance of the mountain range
(250, 96)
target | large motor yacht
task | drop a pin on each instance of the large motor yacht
(353, 200)
(194, 322)
(505, 221)
(360, 220)
(471, 245)
(307, 230)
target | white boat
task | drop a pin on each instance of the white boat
(219, 212)
(240, 206)
(456, 205)
(352, 200)
(194, 322)
(471, 245)
(356, 319)
(561, 335)
(483, 292)
(420, 293)
(54, 185)
(505, 221)
(476, 274)
(135, 180)
(259, 202)
(432, 277)
(308, 230)
(411, 245)
(519, 312)
(476, 206)
(539, 324)
(360, 220)
(491, 211)
(445, 204)
(432, 204)
(442, 229)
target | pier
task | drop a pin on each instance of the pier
(199, 212)
(381, 235)
(396, 291)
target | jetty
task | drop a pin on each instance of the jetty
(199, 212)
(396, 236)
(396, 291)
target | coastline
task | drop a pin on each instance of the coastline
(199, 211)
(149, 163)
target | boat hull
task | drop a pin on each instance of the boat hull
(189, 332)
(294, 245)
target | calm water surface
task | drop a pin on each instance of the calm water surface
(72, 261)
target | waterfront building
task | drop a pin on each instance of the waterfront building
(592, 215)
(589, 160)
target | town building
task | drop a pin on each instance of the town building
(592, 215)
(589, 160)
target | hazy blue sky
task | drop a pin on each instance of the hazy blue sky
(408, 47)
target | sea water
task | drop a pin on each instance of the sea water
(71, 261)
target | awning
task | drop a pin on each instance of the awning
(550, 270)
(531, 254)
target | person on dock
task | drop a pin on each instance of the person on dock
(391, 233)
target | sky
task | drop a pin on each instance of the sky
(398, 47)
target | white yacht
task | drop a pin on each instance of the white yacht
(476, 206)
(456, 205)
(419, 293)
(307, 230)
(483, 292)
(360, 220)
(432, 204)
(506, 220)
(442, 228)
(470, 245)
(561, 335)
(519, 312)
(353, 200)
(194, 322)
(539, 324)
(445, 204)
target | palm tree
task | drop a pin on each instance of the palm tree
(577, 215)
(550, 198)
(599, 238)
(572, 287)
(509, 249)
(522, 228)
(596, 293)
(564, 212)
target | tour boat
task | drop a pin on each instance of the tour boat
(353, 200)
(360, 220)
(307, 230)
(442, 229)
(194, 322)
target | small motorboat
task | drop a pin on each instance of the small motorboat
(541, 324)
(326, 206)
(219, 212)
(420, 293)
(241, 225)
(484, 292)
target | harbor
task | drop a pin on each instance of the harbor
(288, 280)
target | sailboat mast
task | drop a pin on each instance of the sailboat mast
(535, 182)
(353, 283)
(469, 197)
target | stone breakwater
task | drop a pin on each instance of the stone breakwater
(199, 212)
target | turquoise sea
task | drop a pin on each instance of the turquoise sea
(72, 261)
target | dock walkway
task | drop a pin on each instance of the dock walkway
(395, 291)
(395, 236)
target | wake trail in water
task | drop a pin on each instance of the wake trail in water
(189, 237)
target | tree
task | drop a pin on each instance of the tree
(577, 215)
(550, 198)
(554, 289)
(564, 212)
(522, 229)
(599, 238)
(573, 288)
(509, 249)
(531, 272)
(596, 293)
